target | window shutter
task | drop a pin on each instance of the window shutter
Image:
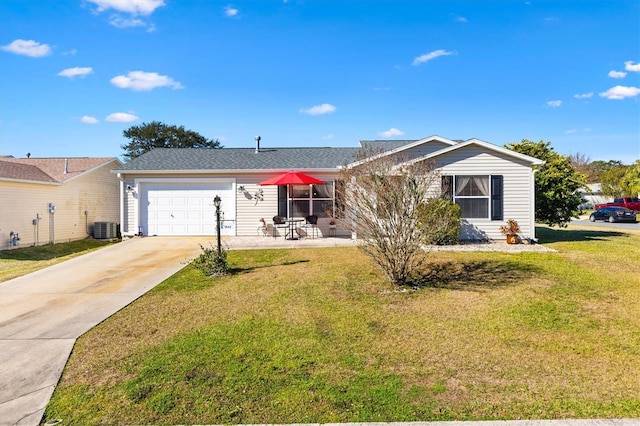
(497, 201)
(446, 188)
(282, 201)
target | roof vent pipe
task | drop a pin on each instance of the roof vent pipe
(257, 138)
(66, 166)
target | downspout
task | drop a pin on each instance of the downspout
(533, 205)
(121, 202)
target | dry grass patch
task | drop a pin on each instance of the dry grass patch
(318, 335)
(24, 260)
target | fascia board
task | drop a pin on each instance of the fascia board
(404, 148)
(36, 182)
(96, 167)
(533, 161)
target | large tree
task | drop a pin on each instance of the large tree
(556, 183)
(611, 181)
(583, 164)
(382, 204)
(152, 135)
(631, 180)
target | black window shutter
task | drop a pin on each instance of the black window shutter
(282, 200)
(446, 188)
(497, 199)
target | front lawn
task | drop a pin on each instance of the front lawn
(317, 335)
(24, 260)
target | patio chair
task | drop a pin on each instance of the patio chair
(279, 222)
(311, 222)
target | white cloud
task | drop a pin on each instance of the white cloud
(617, 74)
(120, 22)
(318, 109)
(621, 92)
(583, 95)
(89, 120)
(429, 56)
(140, 80)
(76, 72)
(570, 131)
(630, 66)
(587, 129)
(134, 7)
(230, 11)
(327, 137)
(71, 52)
(391, 132)
(121, 117)
(27, 48)
(460, 19)
(554, 104)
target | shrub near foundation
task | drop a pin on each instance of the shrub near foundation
(441, 220)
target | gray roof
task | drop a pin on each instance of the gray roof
(384, 145)
(165, 159)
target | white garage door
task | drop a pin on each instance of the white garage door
(186, 208)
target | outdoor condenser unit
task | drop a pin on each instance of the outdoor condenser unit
(105, 230)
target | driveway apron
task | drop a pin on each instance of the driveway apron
(43, 313)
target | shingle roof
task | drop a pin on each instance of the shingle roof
(165, 159)
(55, 170)
(384, 145)
(12, 170)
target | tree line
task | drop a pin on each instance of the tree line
(616, 179)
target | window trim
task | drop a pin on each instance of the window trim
(495, 198)
(286, 200)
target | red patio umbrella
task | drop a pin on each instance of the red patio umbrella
(292, 178)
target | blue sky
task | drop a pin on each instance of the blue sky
(75, 73)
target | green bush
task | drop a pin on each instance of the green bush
(211, 262)
(440, 221)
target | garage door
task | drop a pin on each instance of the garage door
(186, 208)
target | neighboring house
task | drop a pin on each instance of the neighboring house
(170, 191)
(83, 191)
(592, 196)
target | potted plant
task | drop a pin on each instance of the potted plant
(511, 230)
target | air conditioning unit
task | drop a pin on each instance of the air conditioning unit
(105, 230)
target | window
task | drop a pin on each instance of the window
(306, 200)
(479, 197)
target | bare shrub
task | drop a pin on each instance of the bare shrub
(381, 197)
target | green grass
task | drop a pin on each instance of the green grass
(318, 335)
(21, 261)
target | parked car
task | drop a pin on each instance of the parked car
(630, 203)
(614, 214)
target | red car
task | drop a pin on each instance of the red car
(614, 214)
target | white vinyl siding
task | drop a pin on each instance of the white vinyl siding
(517, 195)
(95, 192)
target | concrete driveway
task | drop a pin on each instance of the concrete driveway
(43, 313)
